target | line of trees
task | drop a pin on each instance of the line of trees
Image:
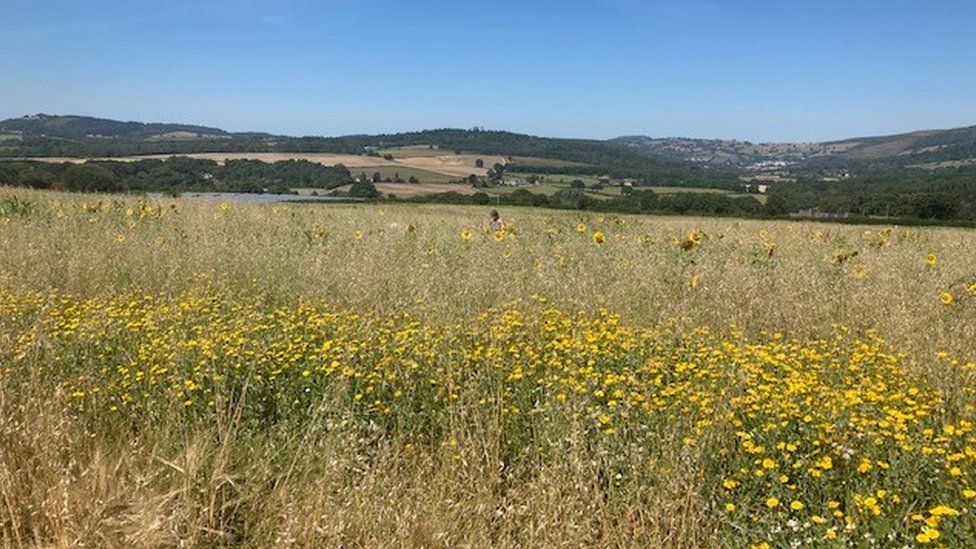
(174, 175)
(640, 201)
(917, 195)
(947, 199)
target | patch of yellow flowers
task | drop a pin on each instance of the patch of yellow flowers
(829, 439)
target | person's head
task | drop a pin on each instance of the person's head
(494, 215)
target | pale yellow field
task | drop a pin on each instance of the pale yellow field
(461, 165)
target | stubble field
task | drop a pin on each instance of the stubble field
(191, 372)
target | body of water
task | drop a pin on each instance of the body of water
(268, 197)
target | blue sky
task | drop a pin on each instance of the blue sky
(756, 70)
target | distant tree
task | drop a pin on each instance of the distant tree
(480, 198)
(577, 184)
(413, 179)
(364, 189)
(387, 156)
(479, 163)
(473, 180)
(377, 177)
(89, 178)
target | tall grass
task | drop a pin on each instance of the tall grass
(481, 334)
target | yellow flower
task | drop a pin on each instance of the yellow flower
(969, 494)
(730, 507)
(772, 502)
(465, 235)
(831, 534)
(581, 228)
(931, 259)
(768, 463)
(946, 298)
(943, 511)
(796, 505)
(499, 236)
(730, 484)
(599, 238)
(120, 238)
(927, 536)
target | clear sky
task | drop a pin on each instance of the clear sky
(756, 70)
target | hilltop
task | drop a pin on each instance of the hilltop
(85, 127)
(931, 149)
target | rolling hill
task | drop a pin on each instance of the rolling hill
(84, 137)
(921, 149)
(85, 127)
(673, 160)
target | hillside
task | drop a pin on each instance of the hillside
(83, 137)
(84, 127)
(662, 161)
(920, 149)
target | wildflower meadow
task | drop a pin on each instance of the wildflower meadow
(183, 372)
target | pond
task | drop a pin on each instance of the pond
(267, 198)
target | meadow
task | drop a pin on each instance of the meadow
(180, 372)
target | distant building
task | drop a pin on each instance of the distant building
(815, 213)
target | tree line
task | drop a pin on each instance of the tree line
(178, 174)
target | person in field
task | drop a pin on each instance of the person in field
(496, 221)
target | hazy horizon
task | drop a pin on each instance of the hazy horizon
(587, 69)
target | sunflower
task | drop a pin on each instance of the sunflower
(946, 298)
(599, 238)
(465, 235)
(499, 236)
(581, 228)
(931, 259)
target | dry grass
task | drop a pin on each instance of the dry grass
(68, 481)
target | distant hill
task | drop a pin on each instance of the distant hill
(84, 137)
(85, 127)
(668, 161)
(921, 149)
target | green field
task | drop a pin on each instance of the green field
(413, 151)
